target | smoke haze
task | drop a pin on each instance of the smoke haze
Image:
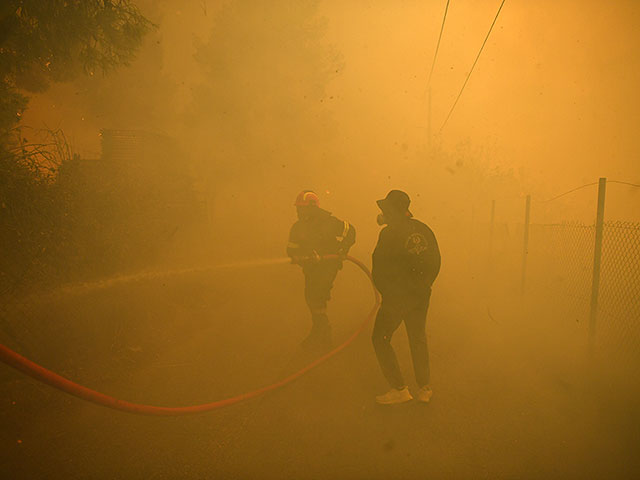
(258, 100)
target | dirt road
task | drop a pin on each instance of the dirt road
(505, 404)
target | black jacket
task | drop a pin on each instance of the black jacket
(406, 260)
(322, 233)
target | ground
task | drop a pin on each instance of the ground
(507, 403)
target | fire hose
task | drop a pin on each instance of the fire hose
(44, 375)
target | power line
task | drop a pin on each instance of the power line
(473, 66)
(623, 183)
(435, 55)
(588, 185)
(579, 188)
(433, 64)
(567, 193)
(575, 190)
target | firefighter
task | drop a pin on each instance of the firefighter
(315, 234)
(406, 261)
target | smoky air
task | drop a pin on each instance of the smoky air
(319, 239)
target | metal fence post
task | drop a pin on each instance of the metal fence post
(525, 247)
(493, 216)
(597, 261)
(429, 122)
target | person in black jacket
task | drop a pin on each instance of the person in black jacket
(406, 261)
(318, 233)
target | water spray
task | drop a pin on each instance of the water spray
(87, 287)
(32, 369)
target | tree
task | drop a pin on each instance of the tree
(43, 42)
(262, 103)
(54, 40)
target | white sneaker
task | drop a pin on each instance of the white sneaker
(395, 396)
(424, 394)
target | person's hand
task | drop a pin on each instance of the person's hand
(296, 260)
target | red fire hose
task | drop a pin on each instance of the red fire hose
(40, 373)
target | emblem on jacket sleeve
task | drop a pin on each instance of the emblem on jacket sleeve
(416, 244)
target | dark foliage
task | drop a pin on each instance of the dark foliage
(55, 40)
(61, 217)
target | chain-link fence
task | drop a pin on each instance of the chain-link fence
(618, 326)
(560, 261)
(560, 264)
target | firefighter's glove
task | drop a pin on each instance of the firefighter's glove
(313, 258)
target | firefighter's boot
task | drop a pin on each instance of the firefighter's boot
(319, 339)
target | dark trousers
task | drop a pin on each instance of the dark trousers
(413, 311)
(318, 282)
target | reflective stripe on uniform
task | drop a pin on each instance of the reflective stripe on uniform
(293, 245)
(345, 230)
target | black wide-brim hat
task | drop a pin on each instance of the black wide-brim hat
(396, 200)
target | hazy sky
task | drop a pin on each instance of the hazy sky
(555, 89)
(554, 94)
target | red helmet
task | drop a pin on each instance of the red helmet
(306, 198)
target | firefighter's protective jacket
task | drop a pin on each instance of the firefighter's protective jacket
(322, 233)
(406, 260)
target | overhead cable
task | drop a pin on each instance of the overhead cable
(473, 66)
(568, 192)
(624, 183)
(435, 55)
